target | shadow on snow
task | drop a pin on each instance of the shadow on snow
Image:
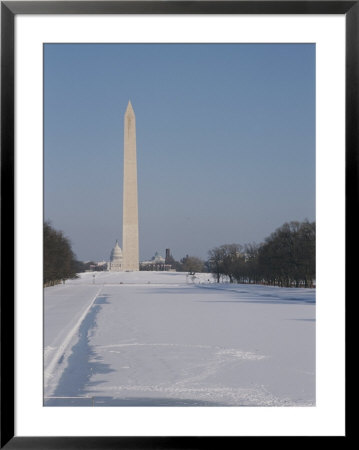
(240, 295)
(83, 361)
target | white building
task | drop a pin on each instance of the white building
(156, 263)
(116, 259)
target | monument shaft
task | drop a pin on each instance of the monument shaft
(130, 198)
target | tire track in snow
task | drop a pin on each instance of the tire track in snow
(59, 356)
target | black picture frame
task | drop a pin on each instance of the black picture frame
(9, 9)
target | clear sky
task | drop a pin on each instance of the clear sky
(225, 142)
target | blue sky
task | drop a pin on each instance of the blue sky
(225, 142)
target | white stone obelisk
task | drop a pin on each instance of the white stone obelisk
(130, 198)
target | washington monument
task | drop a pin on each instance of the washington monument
(130, 198)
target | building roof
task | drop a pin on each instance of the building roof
(116, 253)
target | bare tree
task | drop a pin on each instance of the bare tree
(223, 260)
(192, 264)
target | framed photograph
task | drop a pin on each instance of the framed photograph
(175, 183)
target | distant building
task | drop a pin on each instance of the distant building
(101, 263)
(157, 263)
(170, 261)
(116, 259)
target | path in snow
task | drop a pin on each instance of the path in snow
(158, 339)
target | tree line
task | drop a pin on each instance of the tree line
(286, 258)
(59, 259)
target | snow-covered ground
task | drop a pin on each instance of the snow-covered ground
(168, 339)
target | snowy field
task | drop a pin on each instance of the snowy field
(166, 339)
